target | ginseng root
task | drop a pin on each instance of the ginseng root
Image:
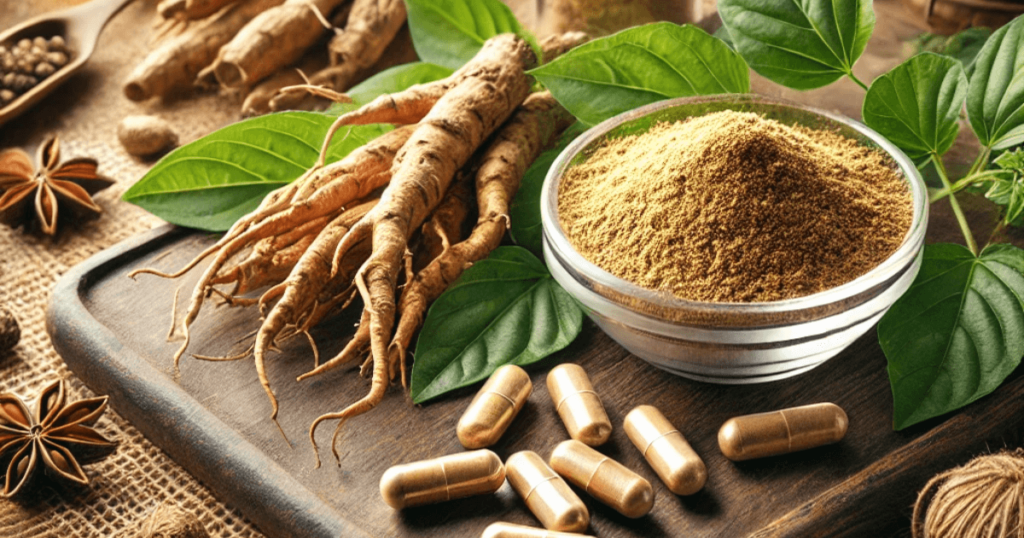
(175, 64)
(302, 287)
(535, 126)
(274, 39)
(442, 143)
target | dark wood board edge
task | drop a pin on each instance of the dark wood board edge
(271, 498)
(880, 495)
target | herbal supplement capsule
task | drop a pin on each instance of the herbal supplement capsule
(782, 432)
(578, 405)
(442, 479)
(546, 494)
(494, 407)
(603, 478)
(665, 448)
(508, 530)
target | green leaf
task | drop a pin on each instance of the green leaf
(212, 182)
(641, 65)
(1011, 160)
(524, 215)
(723, 33)
(801, 44)
(995, 101)
(963, 46)
(389, 81)
(916, 105)
(503, 310)
(957, 332)
(450, 32)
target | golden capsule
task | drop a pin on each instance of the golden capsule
(546, 494)
(442, 479)
(578, 405)
(494, 407)
(666, 450)
(782, 432)
(603, 478)
(508, 530)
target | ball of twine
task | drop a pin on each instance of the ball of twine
(982, 499)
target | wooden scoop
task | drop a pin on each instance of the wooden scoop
(80, 27)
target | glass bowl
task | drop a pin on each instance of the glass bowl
(732, 343)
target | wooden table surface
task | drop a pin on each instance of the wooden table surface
(866, 482)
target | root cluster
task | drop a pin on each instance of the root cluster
(258, 47)
(387, 222)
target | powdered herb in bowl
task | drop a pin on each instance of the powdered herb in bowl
(736, 238)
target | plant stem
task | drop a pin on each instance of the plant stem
(981, 162)
(941, 169)
(964, 183)
(857, 80)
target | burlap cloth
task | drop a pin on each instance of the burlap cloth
(125, 487)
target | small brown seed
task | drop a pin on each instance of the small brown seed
(14, 413)
(24, 66)
(40, 42)
(58, 59)
(145, 135)
(57, 43)
(9, 80)
(44, 70)
(6, 96)
(23, 465)
(10, 332)
(25, 44)
(59, 460)
(36, 51)
(3, 50)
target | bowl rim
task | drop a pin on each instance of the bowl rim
(566, 254)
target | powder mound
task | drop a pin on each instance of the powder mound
(733, 207)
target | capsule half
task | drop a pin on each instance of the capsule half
(494, 407)
(442, 479)
(666, 450)
(781, 432)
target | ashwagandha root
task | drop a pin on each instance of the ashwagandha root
(442, 143)
(535, 126)
(556, 45)
(274, 39)
(174, 65)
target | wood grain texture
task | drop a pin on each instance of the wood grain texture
(214, 421)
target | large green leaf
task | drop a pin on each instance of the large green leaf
(964, 45)
(503, 310)
(995, 101)
(641, 65)
(524, 214)
(801, 44)
(212, 182)
(391, 80)
(916, 105)
(450, 32)
(957, 332)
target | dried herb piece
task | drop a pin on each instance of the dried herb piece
(49, 438)
(70, 184)
(10, 332)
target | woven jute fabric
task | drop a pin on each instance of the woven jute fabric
(126, 486)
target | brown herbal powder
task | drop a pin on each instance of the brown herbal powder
(733, 207)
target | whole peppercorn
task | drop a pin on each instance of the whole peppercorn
(57, 59)
(44, 70)
(10, 332)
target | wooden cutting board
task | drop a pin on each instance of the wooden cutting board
(214, 421)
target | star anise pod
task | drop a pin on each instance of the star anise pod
(54, 184)
(48, 438)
